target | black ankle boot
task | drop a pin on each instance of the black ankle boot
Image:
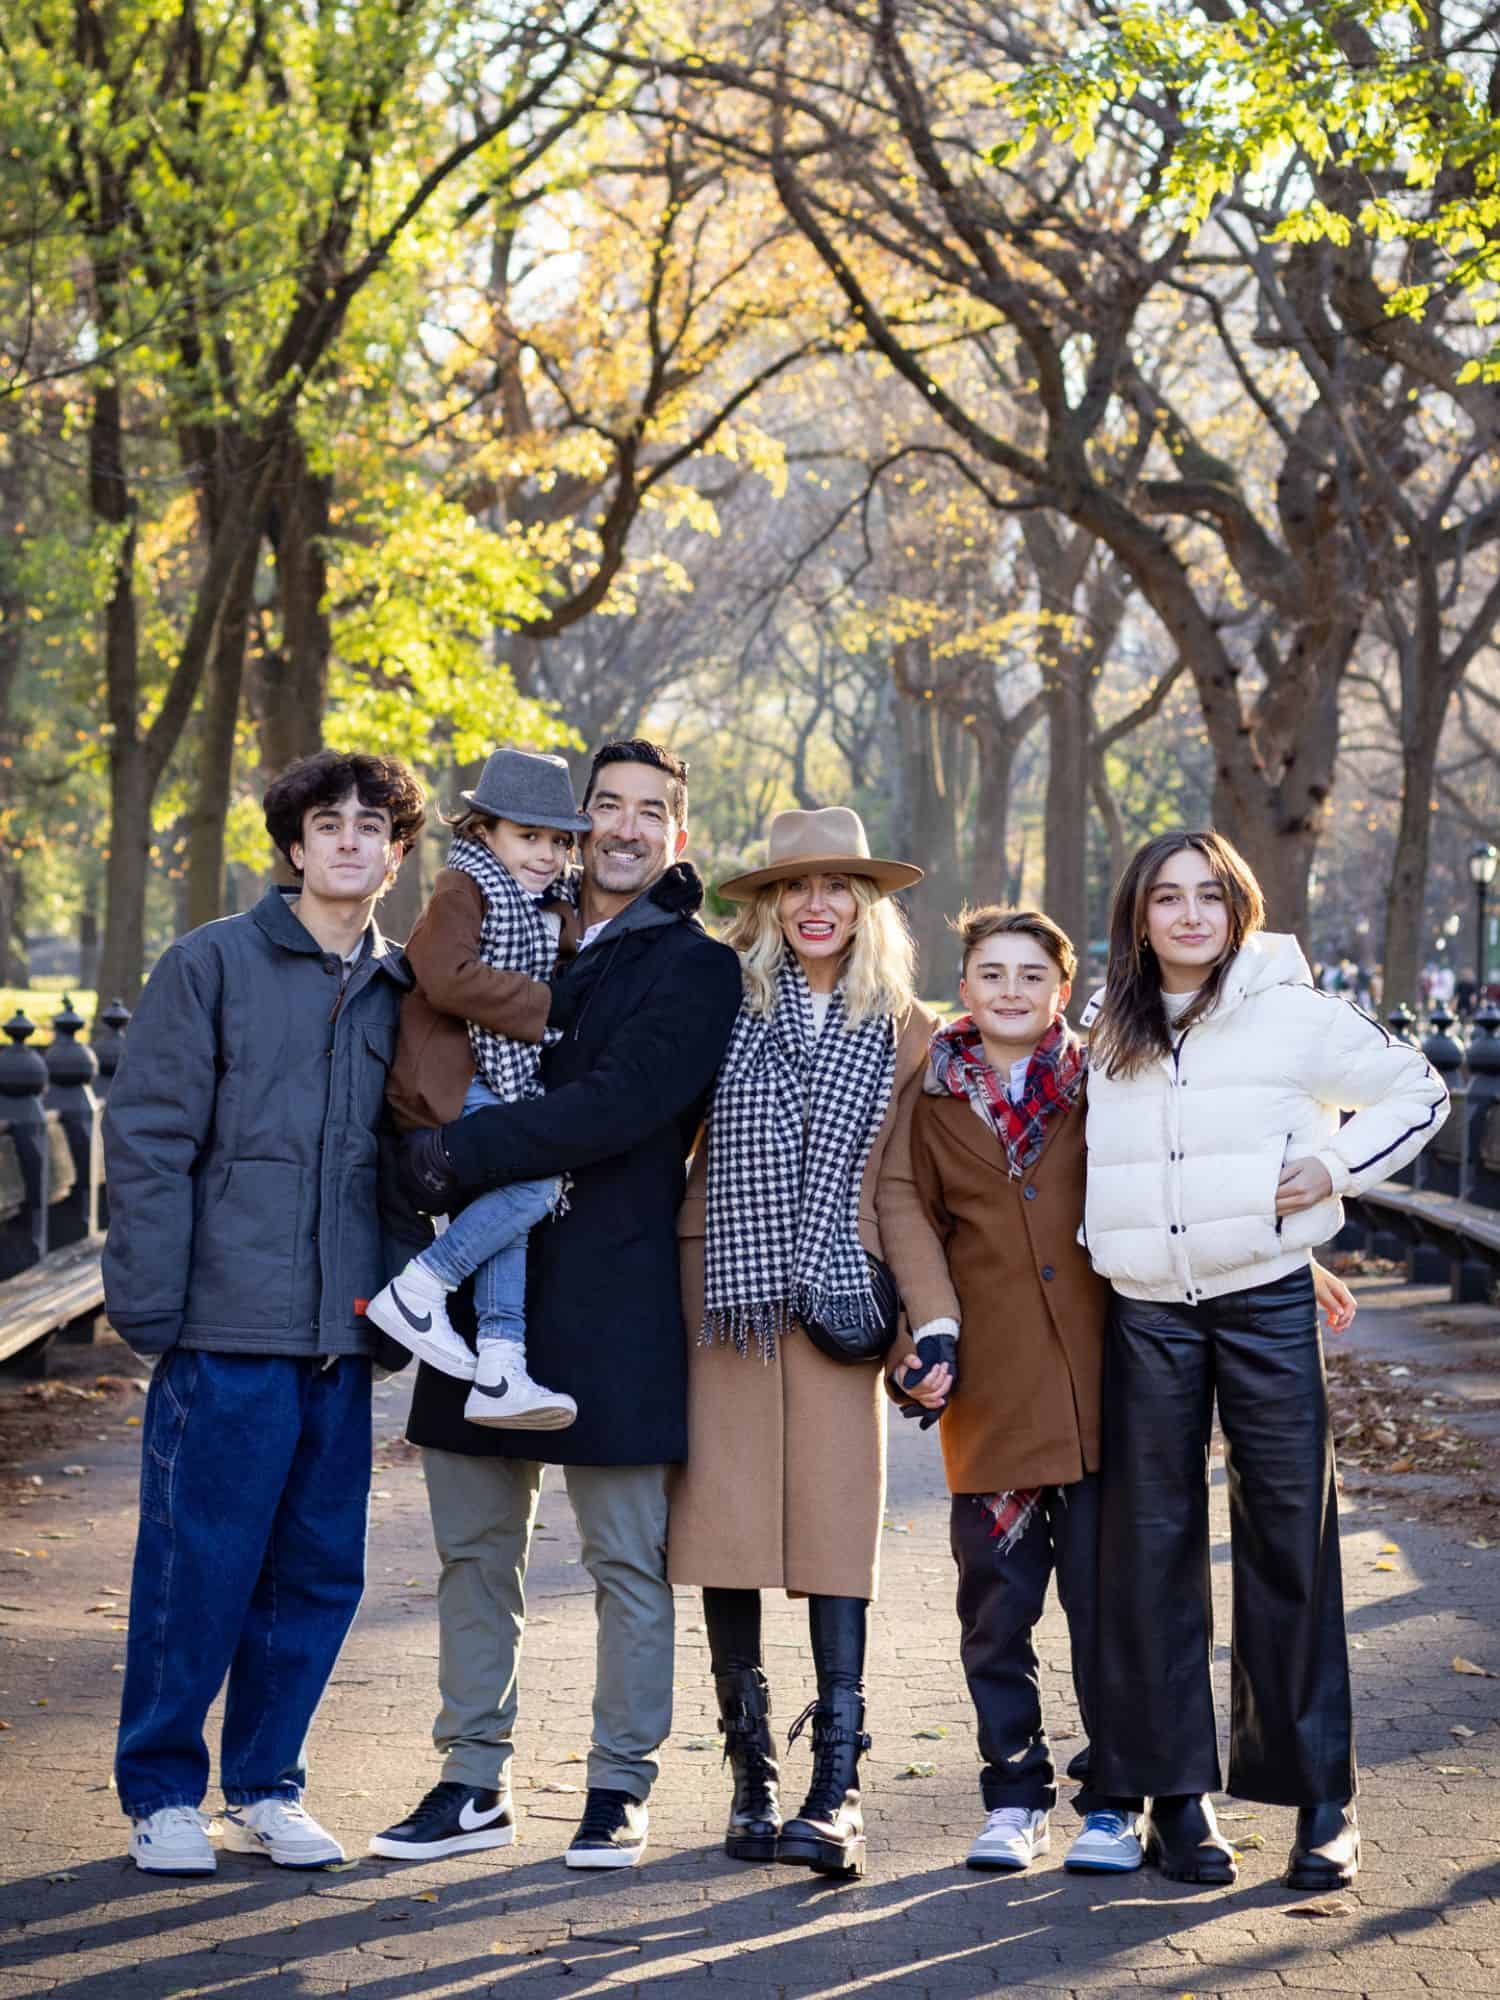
(828, 1834)
(755, 1816)
(1183, 1840)
(1325, 1854)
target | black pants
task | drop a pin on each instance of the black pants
(837, 1627)
(1291, 1739)
(1000, 1599)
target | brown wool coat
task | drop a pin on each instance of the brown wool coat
(1003, 1257)
(784, 1485)
(434, 1063)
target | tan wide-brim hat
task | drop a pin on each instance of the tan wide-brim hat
(830, 842)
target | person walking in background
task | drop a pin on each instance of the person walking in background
(980, 1202)
(1216, 1162)
(471, 1036)
(240, 1144)
(784, 1485)
(646, 1007)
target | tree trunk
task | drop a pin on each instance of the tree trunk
(294, 677)
(1066, 813)
(127, 869)
(215, 779)
(931, 744)
(88, 936)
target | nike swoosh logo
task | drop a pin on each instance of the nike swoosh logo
(469, 1819)
(480, 1390)
(422, 1325)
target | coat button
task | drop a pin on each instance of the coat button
(1048, 1273)
(330, 963)
(1030, 1193)
(1173, 1229)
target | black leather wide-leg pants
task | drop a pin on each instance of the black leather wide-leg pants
(1291, 1724)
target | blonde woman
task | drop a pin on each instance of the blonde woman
(785, 1477)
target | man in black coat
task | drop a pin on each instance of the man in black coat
(646, 1008)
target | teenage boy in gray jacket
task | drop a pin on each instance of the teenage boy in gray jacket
(241, 1151)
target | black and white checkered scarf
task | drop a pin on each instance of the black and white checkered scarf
(513, 937)
(790, 1128)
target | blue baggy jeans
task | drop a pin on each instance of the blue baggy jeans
(488, 1239)
(249, 1563)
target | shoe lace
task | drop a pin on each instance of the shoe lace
(1112, 1823)
(171, 1816)
(1008, 1819)
(435, 1803)
(604, 1813)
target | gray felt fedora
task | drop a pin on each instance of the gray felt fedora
(530, 788)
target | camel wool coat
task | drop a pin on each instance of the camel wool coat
(784, 1485)
(1002, 1256)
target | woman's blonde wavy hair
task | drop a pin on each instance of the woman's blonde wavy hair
(879, 969)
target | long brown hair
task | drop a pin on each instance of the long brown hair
(1131, 1029)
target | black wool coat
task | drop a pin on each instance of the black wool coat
(649, 1008)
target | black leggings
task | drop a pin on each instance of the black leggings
(837, 1625)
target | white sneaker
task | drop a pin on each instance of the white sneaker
(173, 1841)
(413, 1309)
(282, 1829)
(504, 1397)
(1012, 1837)
(1109, 1844)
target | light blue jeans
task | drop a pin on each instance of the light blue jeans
(487, 1240)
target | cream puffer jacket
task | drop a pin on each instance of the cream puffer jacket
(1184, 1157)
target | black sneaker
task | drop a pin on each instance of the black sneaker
(612, 1832)
(452, 1819)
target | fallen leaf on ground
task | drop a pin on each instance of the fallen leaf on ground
(333, 1867)
(1479, 1542)
(931, 1735)
(1329, 1907)
(1458, 1770)
(573, 1757)
(556, 1788)
(62, 1876)
(1248, 1840)
(426, 1896)
(74, 1471)
(1389, 1549)
(698, 1743)
(1385, 1565)
(1461, 1730)
(1463, 1666)
(917, 1771)
(133, 1423)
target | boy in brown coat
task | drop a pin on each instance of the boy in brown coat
(980, 1204)
(471, 1036)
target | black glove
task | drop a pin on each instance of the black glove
(425, 1173)
(934, 1350)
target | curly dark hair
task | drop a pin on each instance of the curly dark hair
(330, 775)
(641, 750)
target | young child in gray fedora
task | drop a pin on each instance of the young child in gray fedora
(472, 1033)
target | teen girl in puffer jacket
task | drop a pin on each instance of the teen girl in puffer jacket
(1216, 1161)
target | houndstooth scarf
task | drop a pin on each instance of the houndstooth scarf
(792, 1122)
(513, 937)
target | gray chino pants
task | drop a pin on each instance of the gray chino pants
(483, 1510)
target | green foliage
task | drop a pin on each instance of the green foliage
(1351, 87)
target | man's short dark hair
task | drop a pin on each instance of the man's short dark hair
(328, 776)
(641, 750)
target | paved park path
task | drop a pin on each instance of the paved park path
(77, 1919)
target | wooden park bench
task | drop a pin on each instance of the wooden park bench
(1440, 1238)
(63, 1293)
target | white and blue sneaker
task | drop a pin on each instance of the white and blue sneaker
(172, 1841)
(1011, 1837)
(1108, 1844)
(284, 1831)
(413, 1309)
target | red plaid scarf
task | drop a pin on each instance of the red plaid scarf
(1053, 1080)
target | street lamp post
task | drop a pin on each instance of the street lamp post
(1482, 865)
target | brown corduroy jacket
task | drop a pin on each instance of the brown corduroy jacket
(1001, 1256)
(434, 1063)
